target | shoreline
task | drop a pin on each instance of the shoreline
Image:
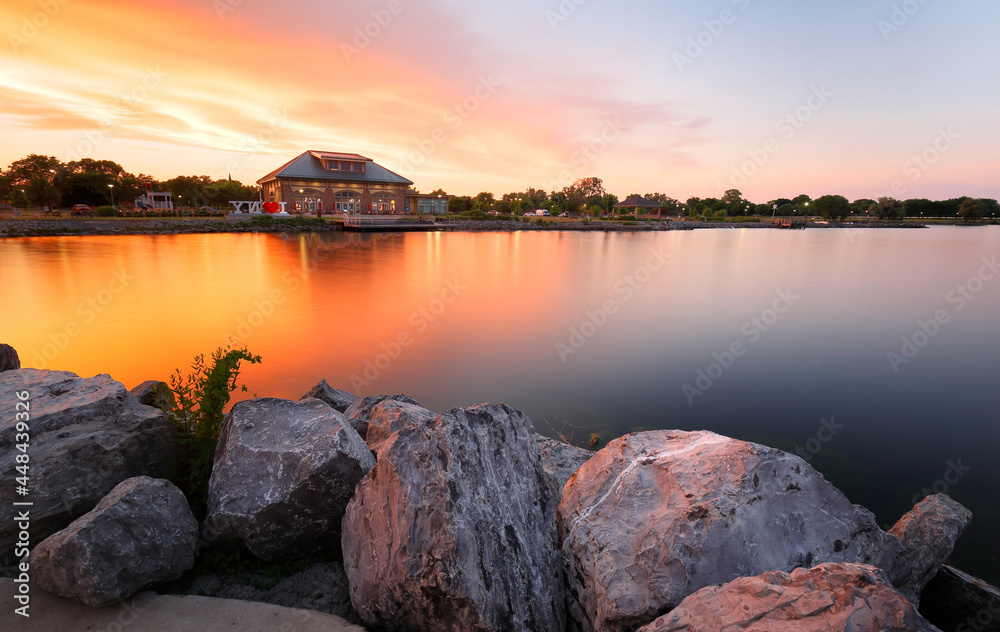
(178, 226)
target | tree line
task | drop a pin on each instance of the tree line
(587, 196)
(37, 181)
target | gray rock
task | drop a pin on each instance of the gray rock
(653, 517)
(389, 416)
(140, 534)
(559, 462)
(156, 394)
(283, 474)
(8, 358)
(928, 534)
(86, 436)
(359, 413)
(452, 529)
(828, 597)
(321, 587)
(337, 399)
(954, 600)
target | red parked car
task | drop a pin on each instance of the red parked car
(82, 209)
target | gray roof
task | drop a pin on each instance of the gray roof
(309, 167)
(637, 201)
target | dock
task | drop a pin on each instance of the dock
(788, 223)
(387, 223)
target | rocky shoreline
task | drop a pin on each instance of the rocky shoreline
(465, 520)
(85, 227)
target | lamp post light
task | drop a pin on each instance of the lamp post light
(112, 187)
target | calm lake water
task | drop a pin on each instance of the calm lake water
(779, 337)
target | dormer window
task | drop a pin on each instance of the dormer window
(344, 165)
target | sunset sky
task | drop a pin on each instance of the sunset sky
(859, 97)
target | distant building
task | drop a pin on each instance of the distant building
(155, 201)
(640, 206)
(331, 182)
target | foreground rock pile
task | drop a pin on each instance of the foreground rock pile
(469, 520)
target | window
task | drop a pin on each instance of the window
(347, 202)
(383, 203)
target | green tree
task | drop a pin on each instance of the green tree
(589, 187)
(6, 187)
(459, 204)
(832, 206)
(484, 201)
(733, 199)
(100, 167)
(802, 204)
(535, 198)
(970, 210)
(36, 175)
(889, 208)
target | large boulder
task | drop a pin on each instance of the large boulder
(359, 413)
(156, 394)
(140, 534)
(337, 399)
(928, 534)
(391, 415)
(652, 517)
(954, 600)
(828, 597)
(85, 436)
(283, 474)
(453, 529)
(560, 461)
(8, 358)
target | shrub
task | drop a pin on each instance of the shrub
(104, 211)
(478, 215)
(198, 415)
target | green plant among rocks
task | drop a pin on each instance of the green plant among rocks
(198, 414)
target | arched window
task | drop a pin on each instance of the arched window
(348, 202)
(383, 203)
(308, 200)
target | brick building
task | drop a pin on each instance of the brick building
(329, 182)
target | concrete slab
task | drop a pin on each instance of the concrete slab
(149, 612)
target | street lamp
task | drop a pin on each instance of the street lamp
(112, 187)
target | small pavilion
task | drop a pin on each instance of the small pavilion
(637, 203)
